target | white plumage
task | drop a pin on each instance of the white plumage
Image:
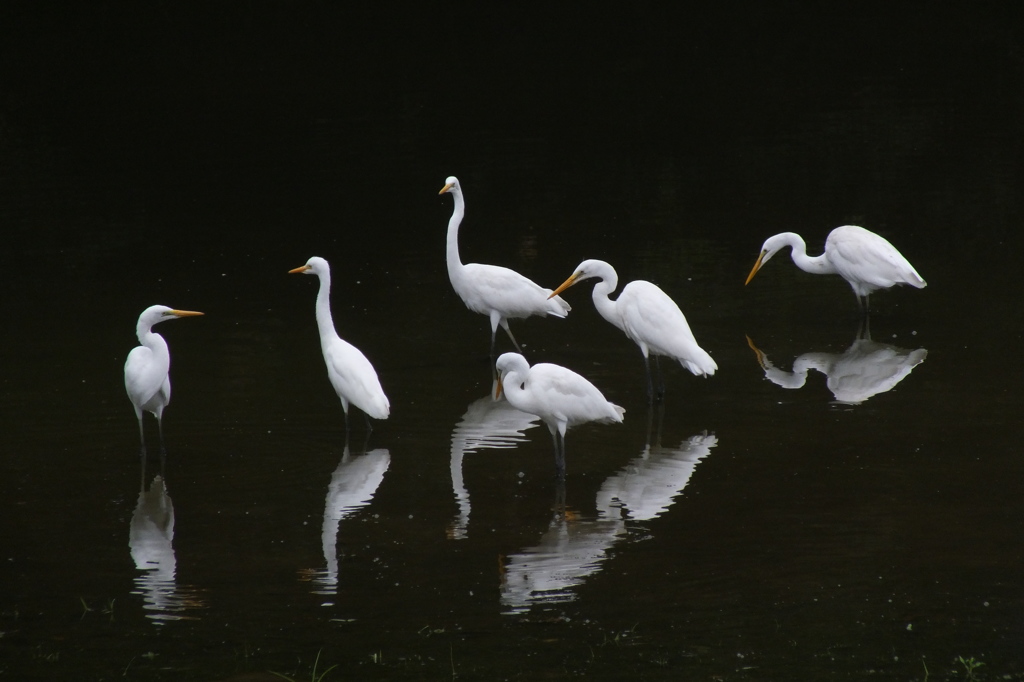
(560, 397)
(864, 259)
(147, 369)
(646, 315)
(499, 293)
(352, 376)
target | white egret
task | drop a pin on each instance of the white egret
(491, 290)
(864, 259)
(351, 374)
(646, 315)
(559, 396)
(146, 370)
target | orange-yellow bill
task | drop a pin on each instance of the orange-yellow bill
(757, 266)
(498, 390)
(446, 188)
(565, 285)
(298, 270)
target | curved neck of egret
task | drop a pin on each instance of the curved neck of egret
(817, 265)
(323, 307)
(154, 342)
(454, 261)
(609, 280)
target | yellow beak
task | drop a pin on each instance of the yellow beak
(184, 313)
(446, 188)
(298, 270)
(565, 285)
(757, 266)
(499, 389)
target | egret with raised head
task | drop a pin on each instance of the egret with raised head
(147, 369)
(499, 293)
(351, 374)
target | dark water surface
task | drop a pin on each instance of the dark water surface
(851, 510)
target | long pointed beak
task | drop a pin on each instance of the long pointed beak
(565, 285)
(298, 270)
(446, 188)
(499, 389)
(185, 313)
(761, 357)
(757, 266)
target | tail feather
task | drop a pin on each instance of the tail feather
(558, 306)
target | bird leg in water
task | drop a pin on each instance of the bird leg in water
(160, 432)
(652, 395)
(559, 455)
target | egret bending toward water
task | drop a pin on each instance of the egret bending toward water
(559, 396)
(647, 315)
(491, 290)
(861, 257)
(353, 377)
(146, 370)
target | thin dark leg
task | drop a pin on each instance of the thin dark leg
(369, 424)
(650, 384)
(559, 455)
(160, 431)
(508, 331)
(660, 387)
(142, 438)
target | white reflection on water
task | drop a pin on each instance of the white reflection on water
(647, 486)
(863, 370)
(151, 541)
(352, 487)
(573, 548)
(487, 424)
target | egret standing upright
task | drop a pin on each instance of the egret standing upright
(648, 316)
(864, 259)
(491, 290)
(351, 374)
(146, 371)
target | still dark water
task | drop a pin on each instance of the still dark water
(853, 512)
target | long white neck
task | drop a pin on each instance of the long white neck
(606, 306)
(454, 261)
(818, 265)
(512, 387)
(154, 342)
(323, 307)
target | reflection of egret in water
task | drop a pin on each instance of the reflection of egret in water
(487, 424)
(570, 550)
(150, 539)
(647, 486)
(352, 487)
(864, 369)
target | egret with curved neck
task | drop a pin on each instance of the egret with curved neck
(648, 316)
(499, 293)
(352, 376)
(147, 369)
(864, 259)
(560, 397)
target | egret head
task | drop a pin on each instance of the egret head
(450, 185)
(314, 266)
(509, 363)
(771, 246)
(160, 313)
(585, 270)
